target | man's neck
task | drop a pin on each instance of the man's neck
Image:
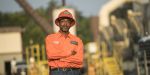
(64, 33)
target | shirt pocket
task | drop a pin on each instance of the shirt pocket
(56, 44)
(73, 44)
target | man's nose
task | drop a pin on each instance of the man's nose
(66, 24)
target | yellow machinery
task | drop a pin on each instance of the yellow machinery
(101, 63)
(111, 66)
(109, 62)
(93, 59)
(36, 60)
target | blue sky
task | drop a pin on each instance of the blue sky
(87, 7)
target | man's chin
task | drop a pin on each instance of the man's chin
(65, 31)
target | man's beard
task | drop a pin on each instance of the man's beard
(65, 28)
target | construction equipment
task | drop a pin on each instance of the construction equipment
(143, 56)
(36, 60)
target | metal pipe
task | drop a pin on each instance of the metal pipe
(107, 9)
(63, 2)
(145, 63)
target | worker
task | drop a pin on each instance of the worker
(14, 66)
(64, 50)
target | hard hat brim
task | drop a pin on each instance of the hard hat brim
(59, 18)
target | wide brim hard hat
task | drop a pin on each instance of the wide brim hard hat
(65, 14)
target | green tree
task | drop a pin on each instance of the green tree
(83, 28)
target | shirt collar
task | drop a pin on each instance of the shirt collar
(62, 35)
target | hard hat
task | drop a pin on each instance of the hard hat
(65, 14)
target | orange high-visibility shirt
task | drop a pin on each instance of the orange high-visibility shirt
(58, 49)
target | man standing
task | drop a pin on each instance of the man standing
(13, 67)
(64, 50)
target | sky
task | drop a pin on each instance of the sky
(87, 7)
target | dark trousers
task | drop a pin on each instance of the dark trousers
(69, 71)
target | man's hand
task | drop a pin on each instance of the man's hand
(73, 52)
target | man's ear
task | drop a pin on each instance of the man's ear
(58, 24)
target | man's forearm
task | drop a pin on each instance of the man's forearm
(60, 58)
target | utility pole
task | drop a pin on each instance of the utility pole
(63, 2)
(41, 21)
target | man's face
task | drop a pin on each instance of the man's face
(65, 24)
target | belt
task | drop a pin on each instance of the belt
(64, 69)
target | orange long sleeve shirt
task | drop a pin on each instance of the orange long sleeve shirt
(58, 49)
